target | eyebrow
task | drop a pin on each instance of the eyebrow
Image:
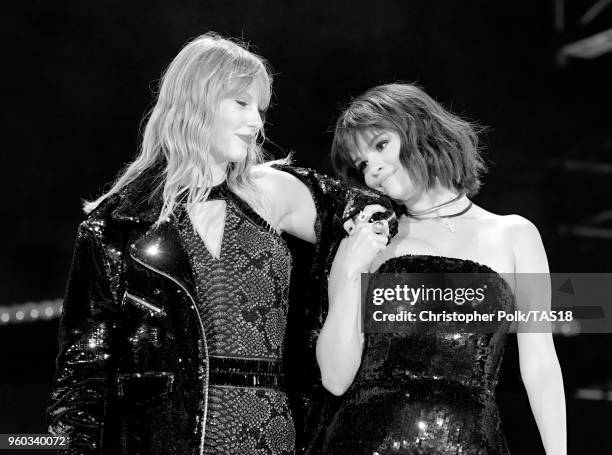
(355, 160)
(376, 136)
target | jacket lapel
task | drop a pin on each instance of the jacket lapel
(161, 250)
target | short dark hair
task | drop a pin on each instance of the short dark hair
(435, 142)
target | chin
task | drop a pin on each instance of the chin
(237, 156)
(392, 191)
(399, 191)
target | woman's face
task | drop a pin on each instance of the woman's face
(237, 122)
(377, 156)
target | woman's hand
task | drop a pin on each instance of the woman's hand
(357, 251)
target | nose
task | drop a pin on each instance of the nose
(375, 165)
(254, 119)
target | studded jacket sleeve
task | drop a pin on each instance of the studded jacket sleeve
(82, 381)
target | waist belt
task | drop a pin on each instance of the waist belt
(246, 372)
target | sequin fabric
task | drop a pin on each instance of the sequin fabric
(426, 393)
(243, 299)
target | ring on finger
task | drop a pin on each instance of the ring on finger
(378, 227)
(363, 217)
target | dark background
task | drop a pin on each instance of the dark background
(78, 78)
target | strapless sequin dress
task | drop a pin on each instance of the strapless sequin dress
(426, 393)
(243, 300)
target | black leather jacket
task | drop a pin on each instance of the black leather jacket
(132, 373)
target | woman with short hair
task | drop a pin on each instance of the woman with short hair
(427, 390)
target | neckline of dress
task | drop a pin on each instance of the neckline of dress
(219, 191)
(435, 256)
(486, 268)
(223, 191)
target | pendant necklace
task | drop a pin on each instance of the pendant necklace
(443, 218)
(450, 226)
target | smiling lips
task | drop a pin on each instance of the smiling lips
(385, 179)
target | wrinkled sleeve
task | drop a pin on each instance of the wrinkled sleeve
(82, 381)
(335, 202)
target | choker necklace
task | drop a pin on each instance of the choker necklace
(443, 218)
(436, 207)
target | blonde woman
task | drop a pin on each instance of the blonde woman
(174, 318)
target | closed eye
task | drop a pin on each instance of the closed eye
(362, 166)
(242, 103)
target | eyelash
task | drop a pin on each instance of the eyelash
(362, 165)
(378, 145)
(262, 113)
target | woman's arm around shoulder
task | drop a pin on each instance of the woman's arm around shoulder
(539, 365)
(292, 206)
(314, 206)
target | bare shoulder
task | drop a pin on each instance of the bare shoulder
(520, 229)
(275, 181)
(512, 226)
(266, 175)
(526, 243)
(290, 201)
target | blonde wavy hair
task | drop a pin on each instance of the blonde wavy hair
(176, 138)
